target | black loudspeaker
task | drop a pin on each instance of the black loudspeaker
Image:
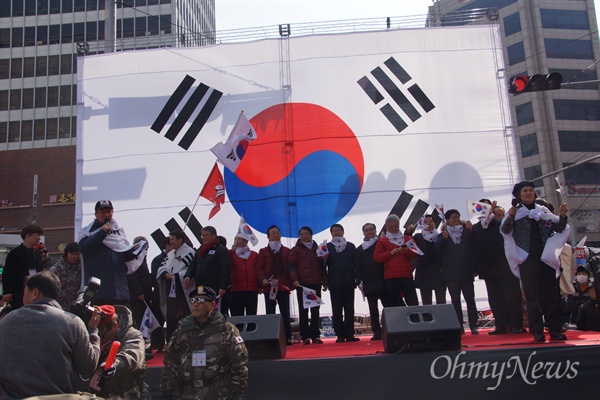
(420, 328)
(264, 335)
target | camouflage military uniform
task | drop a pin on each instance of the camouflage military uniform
(225, 375)
(70, 282)
(130, 363)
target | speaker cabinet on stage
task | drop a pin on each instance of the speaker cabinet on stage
(420, 328)
(264, 335)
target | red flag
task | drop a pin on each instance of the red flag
(214, 190)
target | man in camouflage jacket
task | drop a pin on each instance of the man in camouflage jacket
(206, 356)
(130, 362)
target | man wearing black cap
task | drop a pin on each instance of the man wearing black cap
(206, 356)
(105, 249)
(527, 229)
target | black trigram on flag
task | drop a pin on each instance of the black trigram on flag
(186, 112)
(193, 226)
(402, 204)
(394, 93)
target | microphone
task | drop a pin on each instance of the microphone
(106, 220)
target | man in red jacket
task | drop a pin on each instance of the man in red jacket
(244, 282)
(392, 252)
(307, 270)
(274, 276)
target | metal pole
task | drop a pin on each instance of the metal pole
(34, 200)
(110, 26)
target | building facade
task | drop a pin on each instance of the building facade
(40, 41)
(553, 129)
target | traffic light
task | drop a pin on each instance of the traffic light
(536, 83)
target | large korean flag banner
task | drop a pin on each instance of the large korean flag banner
(346, 129)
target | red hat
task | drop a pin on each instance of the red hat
(108, 314)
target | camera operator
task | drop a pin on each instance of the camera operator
(42, 347)
(127, 379)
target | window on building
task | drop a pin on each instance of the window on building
(65, 64)
(90, 31)
(165, 1)
(53, 65)
(569, 49)
(4, 9)
(14, 131)
(5, 38)
(100, 31)
(577, 75)
(140, 26)
(3, 131)
(27, 102)
(41, 65)
(15, 99)
(67, 33)
(74, 95)
(3, 100)
(54, 34)
(65, 95)
(579, 141)
(73, 126)
(128, 28)
(26, 130)
(92, 5)
(78, 32)
(28, 67)
(529, 145)
(17, 8)
(4, 68)
(39, 129)
(79, 6)
(152, 2)
(512, 24)
(516, 53)
(64, 130)
(67, 6)
(40, 97)
(51, 128)
(531, 173)
(29, 36)
(52, 96)
(153, 25)
(577, 110)
(140, 3)
(564, 19)
(586, 174)
(16, 67)
(30, 7)
(42, 7)
(54, 6)
(42, 35)
(524, 114)
(17, 37)
(165, 23)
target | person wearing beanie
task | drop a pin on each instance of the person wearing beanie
(531, 232)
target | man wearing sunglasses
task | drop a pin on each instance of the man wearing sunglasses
(206, 356)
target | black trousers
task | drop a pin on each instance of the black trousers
(539, 285)
(427, 296)
(400, 290)
(342, 308)
(177, 308)
(372, 301)
(455, 287)
(244, 301)
(307, 331)
(504, 296)
(283, 299)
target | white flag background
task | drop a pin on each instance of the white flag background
(343, 151)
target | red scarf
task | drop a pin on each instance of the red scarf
(205, 247)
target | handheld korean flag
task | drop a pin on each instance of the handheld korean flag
(440, 210)
(479, 210)
(412, 245)
(246, 232)
(149, 323)
(231, 152)
(274, 287)
(322, 249)
(421, 224)
(310, 298)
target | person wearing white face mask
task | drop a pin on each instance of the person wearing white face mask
(584, 292)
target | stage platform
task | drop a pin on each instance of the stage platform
(486, 367)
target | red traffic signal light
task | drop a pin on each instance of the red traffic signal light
(535, 83)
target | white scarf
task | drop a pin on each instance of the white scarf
(308, 245)
(396, 238)
(369, 242)
(455, 233)
(275, 246)
(116, 239)
(175, 264)
(339, 243)
(243, 252)
(485, 221)
(429, 235)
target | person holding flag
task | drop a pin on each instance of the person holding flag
(274, 277)
(244, 282)
(306, 270)
(342, 278)
(428, 274)
(391, 250)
